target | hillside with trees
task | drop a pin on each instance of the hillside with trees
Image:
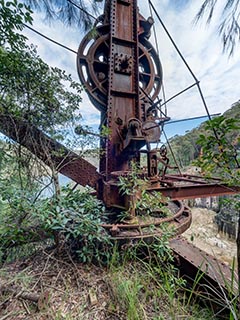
(187, 148)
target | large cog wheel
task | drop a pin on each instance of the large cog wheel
(92, 66)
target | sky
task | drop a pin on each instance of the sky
(200, 45)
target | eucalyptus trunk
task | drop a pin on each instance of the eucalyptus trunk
(238, 259)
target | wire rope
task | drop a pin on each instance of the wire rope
(191, 72)
(158, 52)
(54, 41)
(172, 153)
(49, 39)
(186, 64)
(164, 94)
(82, 9)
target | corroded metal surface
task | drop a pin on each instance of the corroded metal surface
(192, 260)
(191, 187)
(123, 92)
(148, 226)
(122, 74)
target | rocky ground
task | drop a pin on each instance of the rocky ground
(203, 234)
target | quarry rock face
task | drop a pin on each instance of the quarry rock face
(204, 234)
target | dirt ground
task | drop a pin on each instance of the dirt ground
(65, 290)
(203, 234)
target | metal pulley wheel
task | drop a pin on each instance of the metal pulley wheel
(93, 65)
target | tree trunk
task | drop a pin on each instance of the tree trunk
(238, 259)
(59, 237)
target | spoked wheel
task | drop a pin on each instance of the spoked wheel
(92, 65)
(148, 226)
(150, 70)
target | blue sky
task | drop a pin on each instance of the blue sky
(200, 45)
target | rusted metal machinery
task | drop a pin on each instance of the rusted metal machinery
(122, 74)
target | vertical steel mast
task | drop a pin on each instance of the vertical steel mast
(122, 75)
(123, 112)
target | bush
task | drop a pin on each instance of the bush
(77, 216)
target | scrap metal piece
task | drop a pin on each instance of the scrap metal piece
(149, 226)
(218, 276)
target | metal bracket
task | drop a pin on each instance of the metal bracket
(123, 63)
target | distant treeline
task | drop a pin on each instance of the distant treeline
(186, 148)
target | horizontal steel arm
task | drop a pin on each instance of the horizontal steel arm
(197, 191)
(49, 151)
(179, 187)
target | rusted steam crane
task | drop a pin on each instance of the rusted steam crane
(122, 74)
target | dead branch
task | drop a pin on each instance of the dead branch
(19, 293)
(41, 300)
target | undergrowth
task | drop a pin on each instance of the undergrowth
(76, 217)
(142, 282)
(146, 286)
(137, 284)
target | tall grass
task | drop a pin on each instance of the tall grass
(144, 286)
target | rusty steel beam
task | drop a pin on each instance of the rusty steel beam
(191, 260)
(123, 91)
(181, 192)
(51, 152)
